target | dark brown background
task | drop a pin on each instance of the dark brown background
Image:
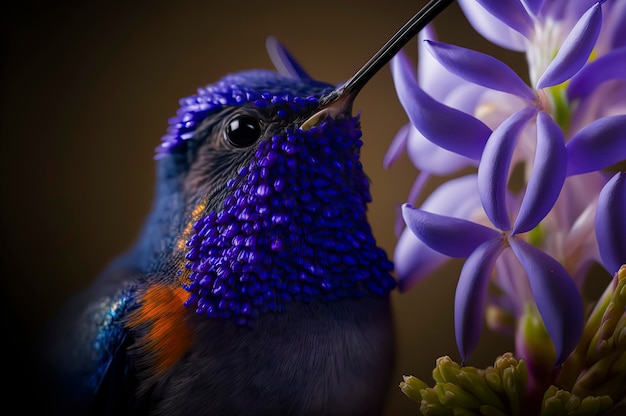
(86, 94)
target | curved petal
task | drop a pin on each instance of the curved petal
(414, 193)
(447, 127)
(414, 260)
(442, 85)
(608, 99)
(597, 146)
(397, 146)
(556, 295)
(610, 223)
(573, 10)
(471, 293)
(493, 170)
(479, 68)
(430, 77)
(580, 247)
(615, 25)
(466, 97)
(495, 106)
(507, 277)
(575, 49)
(454, 237)
(605, 68)
(512, 13)
(547, 176)
(427, 156)
(456, 197)
(416, 189)
(284, 62)
(533, 5)
(492, 28)
(577, 194)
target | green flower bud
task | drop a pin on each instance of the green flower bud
(496, 390)
(477, 385)
(558, 402)
(598, 365)
(411, 387)
(454, 396)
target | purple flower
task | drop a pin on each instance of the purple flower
(554, 292)
(610, 223)
(442, 123)
(469, 109)
(415, 260)
(429, 158)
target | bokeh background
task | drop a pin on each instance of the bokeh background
(87, 89)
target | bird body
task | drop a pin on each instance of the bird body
(256, 286)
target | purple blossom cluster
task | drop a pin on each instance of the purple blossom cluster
(566, 129)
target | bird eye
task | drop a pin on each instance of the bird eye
(243, 131)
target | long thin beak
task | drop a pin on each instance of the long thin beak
(340, 99)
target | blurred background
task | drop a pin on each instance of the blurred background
(87, 89)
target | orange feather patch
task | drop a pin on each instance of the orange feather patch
(162, 322)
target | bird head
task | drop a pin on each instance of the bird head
(261, 177)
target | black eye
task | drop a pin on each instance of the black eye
(243, 131)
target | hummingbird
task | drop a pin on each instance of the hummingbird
(255, 286)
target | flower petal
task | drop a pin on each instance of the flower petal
(597, 146)
(447, 127)
(512, 13)
(467, 97)
(547, 176)
(414, 193)
(397, 146)
(495, 106)
(610, 223)
(580, 247)
(493, 170)
(492, 28)
(575, 49)
(454, 237)
(507, 277)
(430, 77)
(556, 296)
(615, 24)
(414, 260)
(572, 11)
(533, 5)
(471, 294)
(428, 157)
(442, 85)
(418, 186)
(479, 68)
(284, 62)
(457, 197)
(608, 99)
(577, 194)
(567, 232)
(605, 68)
